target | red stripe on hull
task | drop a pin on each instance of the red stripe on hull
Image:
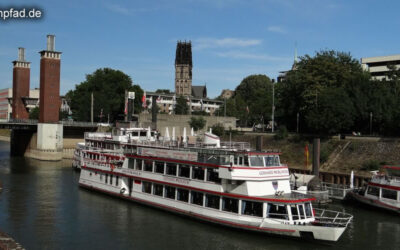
(384, 186)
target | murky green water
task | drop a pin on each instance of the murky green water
(42, 207)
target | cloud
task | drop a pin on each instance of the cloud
(205, 43)
(246, 55)
(277, 29)
(118, 9)
(124, 10)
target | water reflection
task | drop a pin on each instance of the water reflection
(44, 208)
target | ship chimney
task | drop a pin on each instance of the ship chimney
(51, 42)
(21, 54)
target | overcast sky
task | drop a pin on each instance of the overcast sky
(231, 38)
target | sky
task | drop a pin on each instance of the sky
(231, 39)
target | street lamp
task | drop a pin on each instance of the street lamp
(370, 123)
(273, 105)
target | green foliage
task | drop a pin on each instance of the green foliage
(108, 87)
(34, 113)
(197, 123)
(254, 94)
(370, 165)
(63, 115)
(282, 133)
(200, 112)
(163, 91)
(218, 129)
(332, 94)
(181, 107)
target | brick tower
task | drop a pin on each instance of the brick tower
(49, 131)
(50, 102)
(183, 68)
(21, 78)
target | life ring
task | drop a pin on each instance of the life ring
(122, 190)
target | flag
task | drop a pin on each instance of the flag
(158, 99)
(144, 100)
(306, 154)
(126, 107)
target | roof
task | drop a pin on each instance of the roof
(199, 91)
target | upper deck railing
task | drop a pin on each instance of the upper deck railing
(34, 122)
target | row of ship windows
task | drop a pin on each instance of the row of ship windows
(386, 193)
(252, 208)
(173, 169)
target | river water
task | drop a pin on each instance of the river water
(42, 207)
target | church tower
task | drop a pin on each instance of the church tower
(183, 68)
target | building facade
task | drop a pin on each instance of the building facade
(167, 102)
(378, 66)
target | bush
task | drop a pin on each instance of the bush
(370, 165)
(197, 123)
(218, 129)
(324, 154)
(282, 133)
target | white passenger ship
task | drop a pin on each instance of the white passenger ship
(222, 183)
(383, 191)
(110, 142)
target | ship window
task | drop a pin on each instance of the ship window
(143, 133)
(389, 194)
(307, 207)
(139, 164)
(183, 195)
(170, 192)
(106, 180)
(240, 160)
(171, 169)
(159, 167)
(212, 175)
(235, 160)
(301, 210)
(276, 160)
(197, 198)
(256, 161)
(131, 163)
(116, 180)
(135, 134)
(198, 173)
(373, 191)
(269, 161)
(146, 187)
(148, 165)
(278, 211)
(295, 212)
(158, 189)
(252, 208)
(184, 171)
(246, 161)
(212, 201)
(230, 204)
(111, 179)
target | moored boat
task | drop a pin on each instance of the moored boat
(223, 183)
(383, 191)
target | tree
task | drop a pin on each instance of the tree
(108, 87)
(327, 90)
(34, 113)
(163, 91)
(197, 123)
(181, 107)
(218, 129)
(252, 100)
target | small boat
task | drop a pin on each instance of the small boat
(225, 183)
(383, 191)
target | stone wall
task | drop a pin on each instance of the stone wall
(181, 121)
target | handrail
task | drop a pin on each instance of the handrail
(335, 218)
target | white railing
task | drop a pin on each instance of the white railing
(337, 191)
(325, 217)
